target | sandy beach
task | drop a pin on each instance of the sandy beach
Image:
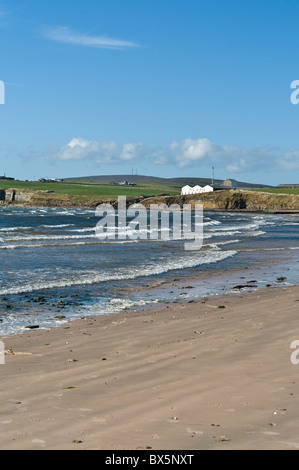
(213, 374)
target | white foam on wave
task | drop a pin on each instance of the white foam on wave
(211, 222)
(93, 277)
(252, 233)
(47, 237)
(57, 226)
(220, 234)
(227, 242)
(21, 228)
(82, 230)
(56, 245)
(111, 238)
(14, 229)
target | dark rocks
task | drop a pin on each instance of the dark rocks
(246, 286)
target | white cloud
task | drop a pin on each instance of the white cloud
(81, 149)
(131, 151)
(100, 152)
(189, 153)
(64, 35)
(191, 150)
(290, 160)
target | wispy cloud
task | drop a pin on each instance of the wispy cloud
(64, 35)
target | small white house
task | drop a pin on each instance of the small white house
(197, 189)
(207, 189)
(186, 190)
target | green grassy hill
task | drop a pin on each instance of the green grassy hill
(174, 182)
(279, 190)
(91, 194)
(84, 193)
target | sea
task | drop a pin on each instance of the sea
(54, 269)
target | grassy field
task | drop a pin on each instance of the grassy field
(91, 190)
(278, 190)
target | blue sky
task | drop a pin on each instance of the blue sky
(165, 87)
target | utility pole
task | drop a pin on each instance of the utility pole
(213, 176)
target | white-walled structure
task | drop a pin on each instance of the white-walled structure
(207, 189)
(196, 190)
(186, 190)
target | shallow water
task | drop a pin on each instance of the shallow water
(53, 265)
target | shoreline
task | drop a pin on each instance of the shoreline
(34, 304)
(232, 200)
(175, 289)
(207, 209)
(208, 374)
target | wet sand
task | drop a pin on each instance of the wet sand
(183, 376)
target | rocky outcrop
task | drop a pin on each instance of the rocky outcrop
(231, 200)
(10, 195)
(22, 197)
(18, 196)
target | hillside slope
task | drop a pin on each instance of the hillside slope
(178, 182)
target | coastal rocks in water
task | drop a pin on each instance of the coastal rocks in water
(32, 327)
(245, 286)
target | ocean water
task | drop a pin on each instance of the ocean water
(54, 269)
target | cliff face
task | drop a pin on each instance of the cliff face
(35, 198)
(15, 196)
(234, 200)
(230, 200)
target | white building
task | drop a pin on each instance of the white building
(186, 190)
(207, 189)
(196, 189)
